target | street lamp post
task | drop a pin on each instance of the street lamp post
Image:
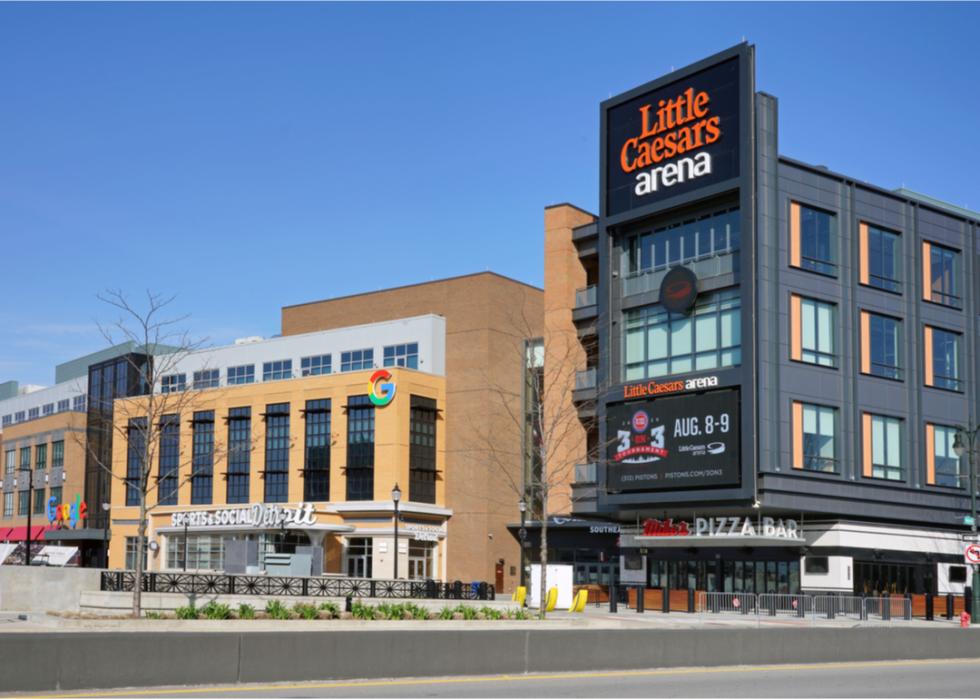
(30, 508)
(969, 447)
(522, 535)
(105, 533)
(396, 496)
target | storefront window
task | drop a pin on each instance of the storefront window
(684, 242)
(359, 556)
(204, 552)
(420, 554)
(660, 343)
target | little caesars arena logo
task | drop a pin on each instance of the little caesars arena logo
(679, 126)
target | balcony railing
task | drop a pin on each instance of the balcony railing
(715, 265)
(585, 379)
(585, 297)
(585, 473)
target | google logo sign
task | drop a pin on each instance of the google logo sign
(381, 393)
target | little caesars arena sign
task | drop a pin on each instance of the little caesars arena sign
(258, 515)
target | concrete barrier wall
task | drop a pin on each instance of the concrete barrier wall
(44, 588)
(67, 661)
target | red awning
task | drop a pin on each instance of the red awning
(3, 533)
(20, 533)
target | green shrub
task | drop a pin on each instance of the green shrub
(520, 614)
(154, 615)
(276, 610)
(246, 611)
(188, 612)
(332, 609)
(446, 614)
(469, 613)
(359, 610)
(306, 611)
(213, 610)
(491, 613)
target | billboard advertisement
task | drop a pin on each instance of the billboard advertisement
(673, 139)
(689, 441)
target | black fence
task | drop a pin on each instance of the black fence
(280, 586)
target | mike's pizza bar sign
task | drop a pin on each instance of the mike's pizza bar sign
(686, 441)
(674, 138)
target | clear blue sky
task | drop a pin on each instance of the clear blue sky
(250, 156)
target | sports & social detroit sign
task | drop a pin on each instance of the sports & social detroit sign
(673, 139)
(686, 441)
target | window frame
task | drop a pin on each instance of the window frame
(884, 468)
(946, 299)
(892, 285)
(798, 259)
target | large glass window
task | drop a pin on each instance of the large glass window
(884, 346)
(25, 458)
(10, 462)
(132, 546)
(316, 481)
(819, 428)
(818, 329)
(241, 374)
(78, 404)
(945, 360)
(39, 501)
(173, 383)
(947, 464)
(207, 378)
(239, 454)
(168, 477)
(47, 409)
(660, 343)
(204, 551)
(406, 355)
(58, 454)
(684, 242)
(360, 448)
(277, 370)
(40, 457)
(136, 431)
(314, 366)
(56, 494)
(886, 448)
(33, 413)
(943, 283)
(202, 477)
(64, 405)
(356, 360)
(8, 504)
(277, 452)
(884, 259)
(359, 557)
(23, 502)
(422, 450)
(818, 241)
(420, 559)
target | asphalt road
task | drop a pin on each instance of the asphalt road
(925, 678)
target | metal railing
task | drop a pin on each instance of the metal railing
(773, 604)
(585, 473)
(843, 606)
(888, 608)
(712, 265)
(585, 379)
(816, 607)
(730, 602)
(585, 297)
(289, 586)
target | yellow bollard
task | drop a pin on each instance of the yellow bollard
(552, 600)
(520, 596)
(581, 599)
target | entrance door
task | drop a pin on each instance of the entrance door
(499, 575)
(359, 558)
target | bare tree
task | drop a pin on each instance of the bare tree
(543, 413)
(149, 422)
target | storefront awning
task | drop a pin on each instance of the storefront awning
(694, 541)
(20, 533)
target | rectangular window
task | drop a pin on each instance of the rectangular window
(39, 501)
(942, 359)
(136, 430)
(10, 463)
(881, 342)
(882, 447)
(422, 450)
(359, 557)
(207, 378)
(684, 242)
(360, 448)
(23, 502)
(881, 258)
(813, 239)
(276, 472)
(8, 504)
(356, 360)
(78, 404)
(942, 464)
(33, 413)
(25, 458)
(940, 275)
(239, 454)
(58, 454)
(814, 446)
(660, 343)
(314, 366)
(204, 552)
(316, 467)
(202, 476)
(20, 416)
(56, 494)
(169, 464)
(64, 405)
(277, 370)
(173, 383)
(406, 355)
(132, 547)
(8, 420)
(241, 374)
(420, 559)
(813, 325)
(40, 457)
(47, 409)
